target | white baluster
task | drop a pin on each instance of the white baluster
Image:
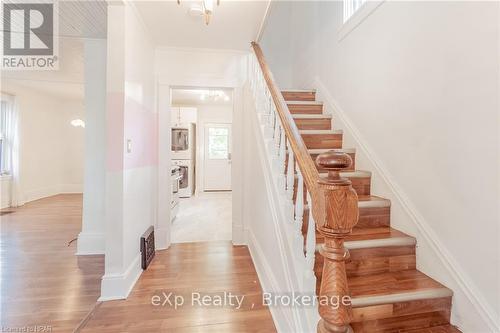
(268, 132)
(282, 160)
(276, 138)
(299, 209)
(310, 240)
(290, 180)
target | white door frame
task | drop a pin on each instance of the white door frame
(202, 150)
(162, 225)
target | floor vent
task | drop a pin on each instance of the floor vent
(147, 247)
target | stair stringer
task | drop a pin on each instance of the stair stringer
(278, 242)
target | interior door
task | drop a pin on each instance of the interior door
(217, 159)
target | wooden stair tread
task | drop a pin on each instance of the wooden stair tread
(367, 201)
(304, 103)
(349, 174)
(392, 287)
(320, 132)
(373, 201)
(390, 235)
(290, 90)
(311, 116)
(437, 329)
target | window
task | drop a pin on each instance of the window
(218, 143)
(6, 133)
(355, 12)
(350, 7)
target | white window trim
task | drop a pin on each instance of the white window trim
(358, 17)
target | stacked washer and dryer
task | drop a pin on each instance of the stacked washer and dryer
(183, 156)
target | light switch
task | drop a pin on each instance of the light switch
(129, 146)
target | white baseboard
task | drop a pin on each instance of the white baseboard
(119, 285)
(90, 243)
(458, 275)
(239, 237)
(49, 191)
(40, 193)
(268, 282)
(71, 188)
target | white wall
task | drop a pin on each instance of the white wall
(131, 174)
(51, 150)
(416, 85)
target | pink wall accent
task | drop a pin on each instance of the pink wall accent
(129, 120)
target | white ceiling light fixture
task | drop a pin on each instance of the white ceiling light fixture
(207, 9)
(213, 95)
(78, 123)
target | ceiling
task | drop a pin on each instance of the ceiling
(77, 20)
(233, 26)
(196, 96)
(67, 82)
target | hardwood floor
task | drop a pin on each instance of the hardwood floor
(209, 268)
(43, 283)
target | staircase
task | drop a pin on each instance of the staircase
(345, 235)
(388, 293)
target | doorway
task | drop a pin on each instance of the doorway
(217, 157)
(204, 209)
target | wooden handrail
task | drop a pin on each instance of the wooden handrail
(334, 206)
(302, 156)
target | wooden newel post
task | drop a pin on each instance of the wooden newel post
(339, 217)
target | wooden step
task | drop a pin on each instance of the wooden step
(360, 180)
(313, 121)
(398, 302)
(299, 95)
(374, 251)
(300, 107)
(437, 329)
(322, 139)
(374, 212)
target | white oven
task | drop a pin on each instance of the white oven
(186, 181)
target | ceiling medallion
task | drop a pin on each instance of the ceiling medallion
(207, 9)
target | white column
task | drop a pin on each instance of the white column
(91, 238)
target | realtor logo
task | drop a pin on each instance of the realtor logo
(29, 31)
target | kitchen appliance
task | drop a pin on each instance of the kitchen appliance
(186, 182)
(174, 204)
(183, 142)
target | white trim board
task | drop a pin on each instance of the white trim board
(119, 285)
(268, 282)
(90, 243)
(452, 266)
